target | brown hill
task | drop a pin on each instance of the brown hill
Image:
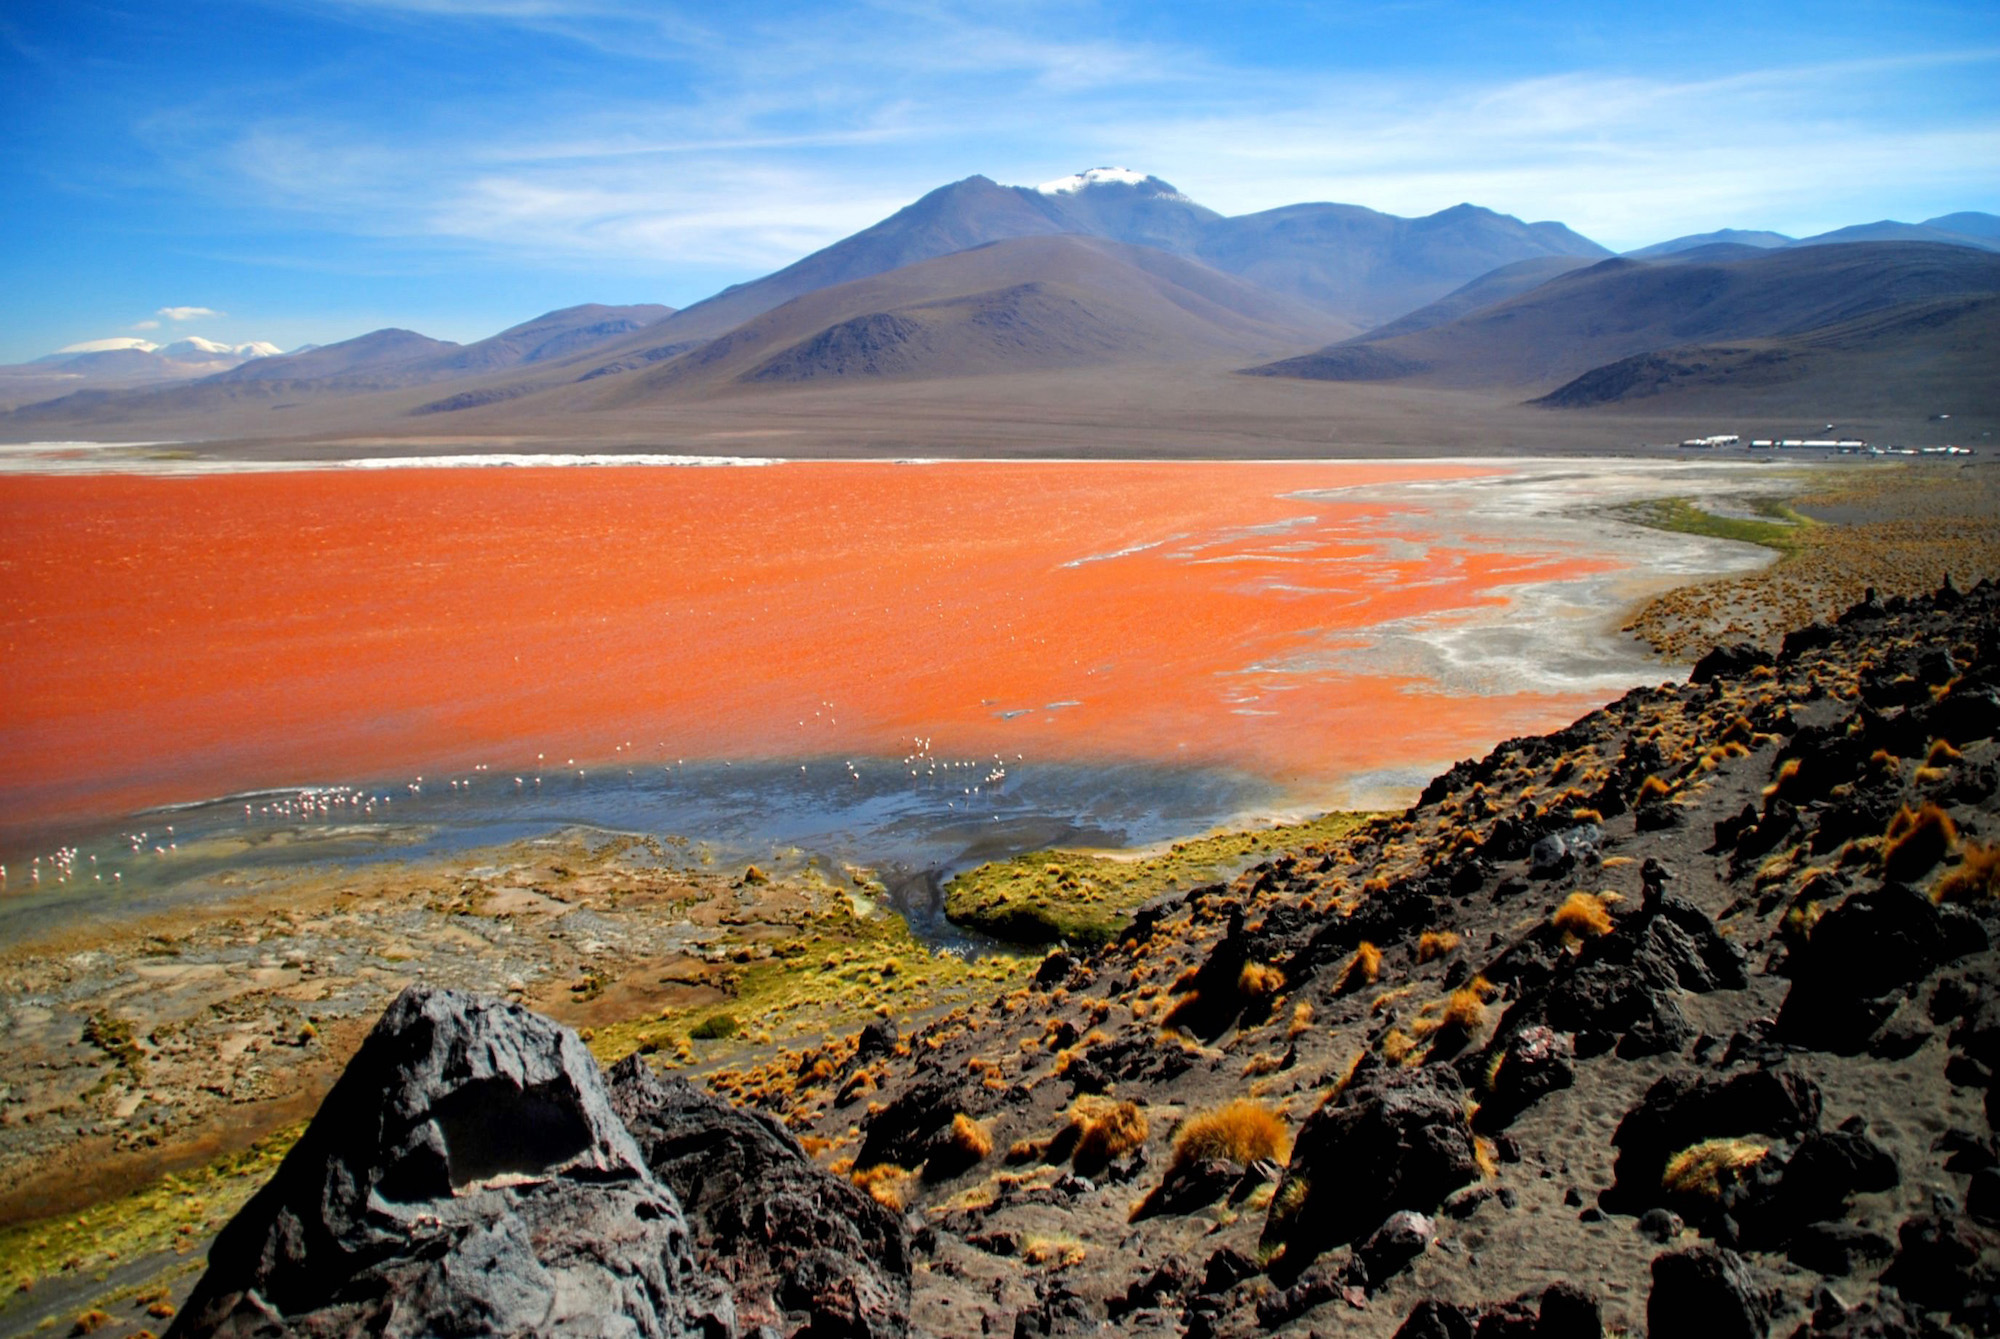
(1369, 267)
(1623, 307)
(1360, 265)
(1941, 354)
(1019, 305)
(378, 356)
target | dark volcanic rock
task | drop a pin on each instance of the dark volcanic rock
(1432, 1319)
(1394, 1140)
(908, 1130)
(1533, 1063)
(1392, 1246)
(1838, 1249)
(1685, 1108)
(1705, 1292)
(467, 1174)
(1844, 978)
(1728, 662)
(1944, 1262)
(788, 1236)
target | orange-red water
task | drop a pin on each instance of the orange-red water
(172, 638)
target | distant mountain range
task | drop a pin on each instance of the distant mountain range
(1626, 329)
(1966, 229)
(1112, 268)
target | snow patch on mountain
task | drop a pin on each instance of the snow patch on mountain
(1096, 176)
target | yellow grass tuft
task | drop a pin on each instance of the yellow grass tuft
(1652, 788)
(1241, 1132)
(1302, 1020)
(1787, 774)
(1258, 981)
(1707, 1168)
(1099, 1130)
(969, 1138)
(1363, 968)
(1977, 876)
(886, 1184)
(1941, 754)
(1584, 915)
(1061, 1252)
(1399, 1047)
(1916, 841)
(1435, 944)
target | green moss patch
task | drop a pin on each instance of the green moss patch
(1086, 898)
(1781, 527)
(850, 962)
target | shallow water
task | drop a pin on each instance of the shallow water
(914, 830)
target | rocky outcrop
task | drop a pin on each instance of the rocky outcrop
(466, 1175)
(1394, 1140)
(804, 1251)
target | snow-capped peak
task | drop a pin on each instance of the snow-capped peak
(1096, 176)
(194, 344)
(258, 348)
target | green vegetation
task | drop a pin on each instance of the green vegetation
(1782, 529)
(848, 962)
(716, 1027)
(175, 1214)
(1087, 898)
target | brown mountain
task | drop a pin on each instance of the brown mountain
(1369, 267)
(380, 355)
(1018, 305)
(1620, 308)
(1939, 356)
(1361, 266)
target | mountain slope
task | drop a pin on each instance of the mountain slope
(1368, 267)
(1021, 304)
(1494, 286)
(1622, 307)
(956, 217)
(380, 355)
(1888, 230)
(550, 336)
(1737, 236)
(1359, 265)
(1937, 355)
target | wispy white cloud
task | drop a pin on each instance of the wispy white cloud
(145, 325)
(787, 134)
(187, 313)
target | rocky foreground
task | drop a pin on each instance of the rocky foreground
(1684, 1019)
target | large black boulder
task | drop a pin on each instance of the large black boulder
(465, 1175)
(1705, 1292)
(1847, 978)
(788, 1236)
(1395, 1139)
(1686, 1108)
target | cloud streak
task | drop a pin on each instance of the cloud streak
(791, 145)
(187, 313)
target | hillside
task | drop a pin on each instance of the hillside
(1732, 236)
(1941, 354)
(1623, 307)
(1017, 305)
(1359, 265)
(1680, 1018)
(1369, 267)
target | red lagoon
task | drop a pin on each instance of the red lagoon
(170, 638)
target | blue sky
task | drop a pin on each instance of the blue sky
(312, 169)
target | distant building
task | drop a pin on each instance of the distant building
(1711, 443)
